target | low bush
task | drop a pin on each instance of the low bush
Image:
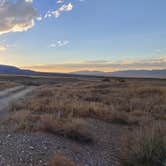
(147, 147)
(72, 128)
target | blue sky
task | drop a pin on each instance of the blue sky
(71, 35)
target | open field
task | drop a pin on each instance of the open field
(7, 84)
(84, 121)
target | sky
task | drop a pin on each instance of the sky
(74, 35)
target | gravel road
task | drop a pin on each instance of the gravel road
(7, 97)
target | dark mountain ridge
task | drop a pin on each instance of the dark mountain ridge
(5, 69)
(127, 73)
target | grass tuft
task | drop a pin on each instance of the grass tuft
(59, 160)
(72, 128)
(147, 147)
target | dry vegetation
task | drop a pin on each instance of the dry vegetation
(6, 85)
(119, 102)
(63, 109)
(75, 129)
(146, 146)
(59, 160)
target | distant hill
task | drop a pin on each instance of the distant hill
(127, 73)
(141, 73)
(5, 69)
(91, 73)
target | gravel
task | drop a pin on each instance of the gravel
(36, 149)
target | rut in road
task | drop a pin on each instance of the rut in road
(12, 95)
(10, 91)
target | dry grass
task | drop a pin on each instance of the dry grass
(60, 160)
(147, 146)
(74, 129)
(123, 118)
(6, 85)
(112, 101)
(24, 120)
(63, 109)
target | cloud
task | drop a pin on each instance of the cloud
(16, 17)
(56, 13)
(20, 15)
(39, 18)
(152, 63)
(64, 7)
(60, 1)
(3, 48)
(48, 14)
(30, 1)
(59, 43)
(103, 65)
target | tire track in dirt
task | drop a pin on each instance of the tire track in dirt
(7, 97)
(9, 91)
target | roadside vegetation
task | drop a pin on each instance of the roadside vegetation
(147, 146)
(6, 84)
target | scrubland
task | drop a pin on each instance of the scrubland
(6, 84)
(64, 109)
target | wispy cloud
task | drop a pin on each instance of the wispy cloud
(103, 65)
(67, 7)
(60, 1)
(59, 43)
(16, 17)
(56, 13)
(64, 8)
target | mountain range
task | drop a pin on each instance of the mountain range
(126, 73)
(5, 69)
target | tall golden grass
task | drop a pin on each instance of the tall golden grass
(147, 146)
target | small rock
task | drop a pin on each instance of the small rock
(8, 136)
(31, 147)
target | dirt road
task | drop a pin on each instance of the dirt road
(7, 97)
